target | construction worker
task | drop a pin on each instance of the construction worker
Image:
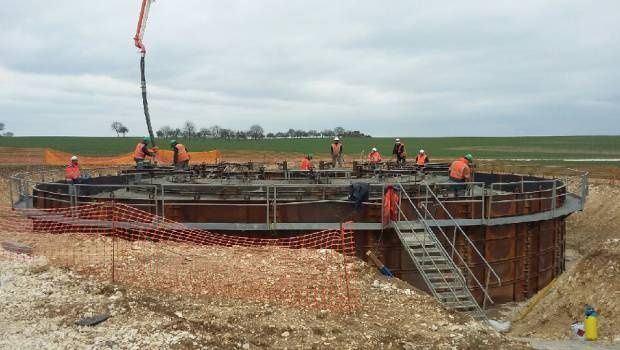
(72, 171)
(141, 152)
(181, 156)
(399, 152)
(460, 173)
(374, 156)
(336, 152)
(421, 159)
(306, 163)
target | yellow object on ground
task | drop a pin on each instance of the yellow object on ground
(53, 157)
(591, 328)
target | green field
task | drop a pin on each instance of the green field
(552, 147)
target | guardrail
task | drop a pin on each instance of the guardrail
(480, 195)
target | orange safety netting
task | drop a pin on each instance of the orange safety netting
(119, 243)
(53, 157)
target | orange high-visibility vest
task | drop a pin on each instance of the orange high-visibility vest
(336, 148)
(182, 154)
(305, 164)
(72, 171)
(374, 156)
(138, 153)
(459, 169)
(421, 159)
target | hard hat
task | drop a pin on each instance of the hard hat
(336, 138)
(146, 139)
(74, 158)
(374, 149)
(421, 151)
(397, 140)
(469, 157)
(172, 142)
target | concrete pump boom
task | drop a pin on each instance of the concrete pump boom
(144, 14)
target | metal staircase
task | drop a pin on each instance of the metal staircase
(443, 270)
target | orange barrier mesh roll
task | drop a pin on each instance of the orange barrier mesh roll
(117, 242)
(53, 157)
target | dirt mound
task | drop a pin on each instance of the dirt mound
(599, 221)
(22, 156)
(594, 279)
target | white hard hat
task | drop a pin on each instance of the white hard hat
(374, 149)
(397, 140)
(421, 151)
(74, 158)
(336, 138)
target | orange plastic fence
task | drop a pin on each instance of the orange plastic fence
(53, 157)
(117, 242)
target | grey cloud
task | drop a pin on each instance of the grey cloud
(406, 67)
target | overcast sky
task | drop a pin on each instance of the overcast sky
(408, 68)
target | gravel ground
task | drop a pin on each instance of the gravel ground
(40, 304)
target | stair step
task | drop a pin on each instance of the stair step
(463, 307)
(436, 267)
(457, 287)
(425, 251)
(429, 259)
(441, 276)
(446, 297)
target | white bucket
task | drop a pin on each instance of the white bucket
(578, 331)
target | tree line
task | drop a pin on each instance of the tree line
(255, 132)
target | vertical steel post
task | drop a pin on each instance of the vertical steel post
(553, 199)
(267, 207)
(275, 207)
(163, 202)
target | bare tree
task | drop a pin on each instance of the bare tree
(116, 126)
(189, 129)
(165, 132)
(123, 130)
(1, 126)
(8, 134)
(339, 131)
(256, 132)
(204, 132)
(216, 131)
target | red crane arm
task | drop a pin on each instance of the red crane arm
(144, 14)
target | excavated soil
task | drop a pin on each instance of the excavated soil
(593, 279)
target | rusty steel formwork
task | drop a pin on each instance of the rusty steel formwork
(517, 222)
(527, 256)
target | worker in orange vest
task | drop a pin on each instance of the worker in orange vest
(142, 151)
(72, 171)
(374, 156)
(180, 158)
(336, 152)
(306, 163)
(421, 159)
(460, 173)
(399, 152)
